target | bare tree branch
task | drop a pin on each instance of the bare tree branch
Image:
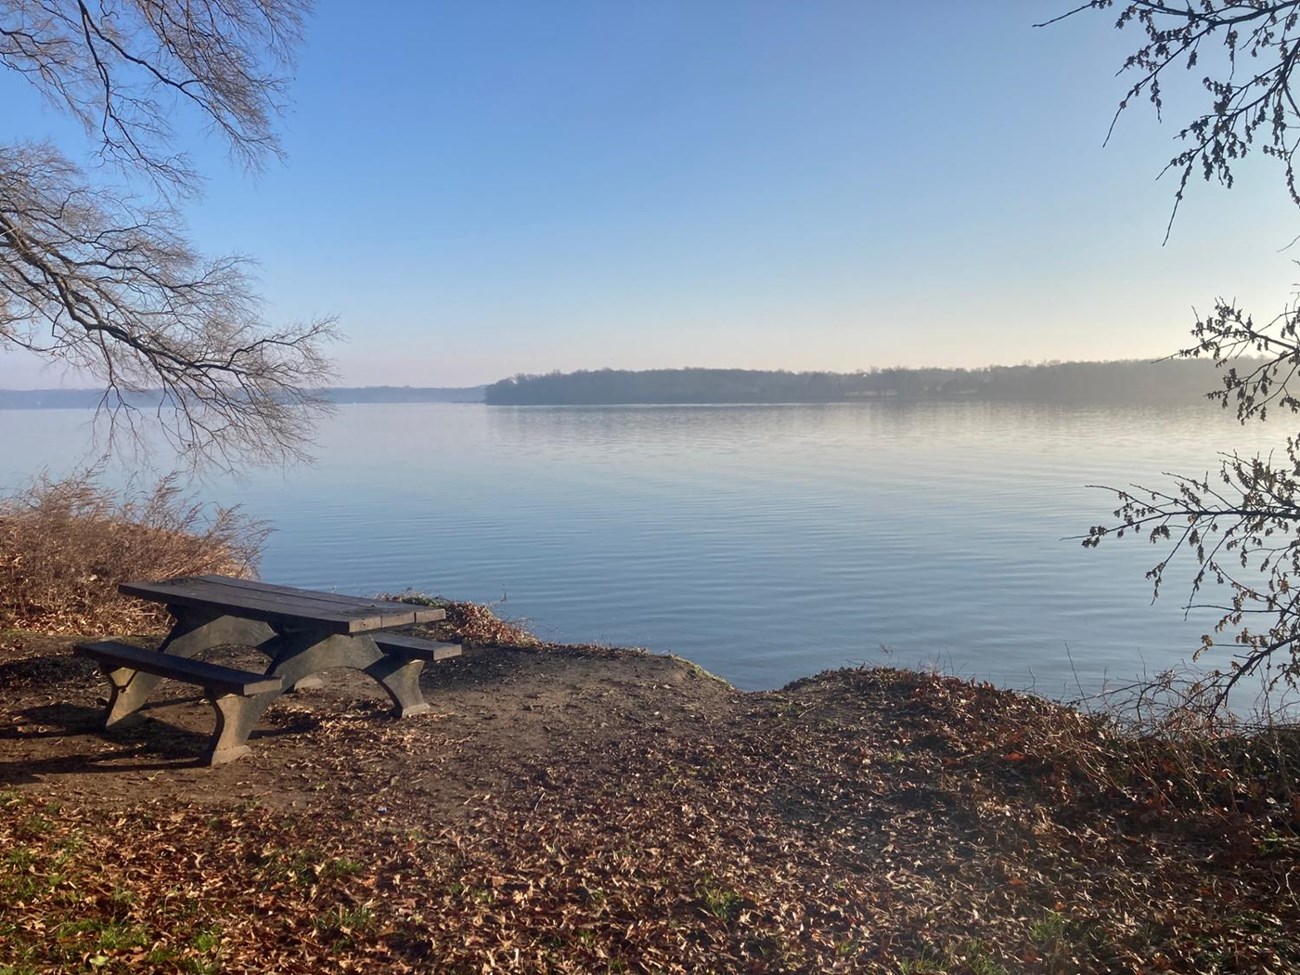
(93, 279)
(1243, 532)
(118, 293)
(122, 66)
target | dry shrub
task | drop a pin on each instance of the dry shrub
(478, 625)
(1164, 753)
(65, 545)
(473, 624)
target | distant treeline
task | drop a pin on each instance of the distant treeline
(1176, 380)
(74, 399)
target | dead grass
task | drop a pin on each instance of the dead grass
(66, 544)
(1170, 751)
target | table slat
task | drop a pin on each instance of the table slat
(331, 600)
(239, 597)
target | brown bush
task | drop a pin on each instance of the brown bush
(65, 545)
(473, 624)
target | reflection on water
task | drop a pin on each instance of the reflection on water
(763, 542)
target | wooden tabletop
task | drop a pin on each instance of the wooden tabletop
(245, 598)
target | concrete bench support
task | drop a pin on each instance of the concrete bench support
(238, 697)
(399, 671)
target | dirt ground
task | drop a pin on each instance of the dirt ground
(591, 810)
(498, 714)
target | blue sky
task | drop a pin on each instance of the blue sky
(479, 189)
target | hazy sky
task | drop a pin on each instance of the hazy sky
(483, 188)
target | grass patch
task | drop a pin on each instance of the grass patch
(722, 903)
(103, 935)
(341, 867)
(345, 923)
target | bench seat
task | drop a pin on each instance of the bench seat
(237, 696)
(415, 648)
(223, 680)
(399, 668)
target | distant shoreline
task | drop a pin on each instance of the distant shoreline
(1167, 381)
(74, 399)
(1177, 381)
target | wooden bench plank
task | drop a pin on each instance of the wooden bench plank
(223, 680)
(414, 647)
(277, 604)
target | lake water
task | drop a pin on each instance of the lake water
(764, 542)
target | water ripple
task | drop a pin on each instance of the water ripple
(764, 542)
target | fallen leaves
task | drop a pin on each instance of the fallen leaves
(868, 820)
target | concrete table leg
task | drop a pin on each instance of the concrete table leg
(298, 655)
(401, 679)
(236, 717)
(130, 689)
(192, 633)
(195, 631)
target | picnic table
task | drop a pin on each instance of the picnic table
(301, 632)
